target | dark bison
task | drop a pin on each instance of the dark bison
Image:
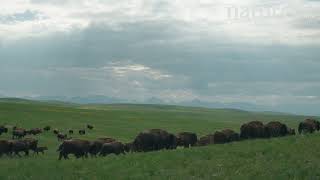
(40, 150)
(154, 139)
(96, 145)
(309, 126)
(3, 129)
(35, 131)
(5, 147)
(112, 148)
(19, 133)
(253, 129)
(56, 131)
(61, 136)
(206, 140)
(77, 147)
(275, 129)
(24, 145)
(82, 132)
(47, 128)
(225, 136)
(187, 139)
(89, 126)
(70, 131)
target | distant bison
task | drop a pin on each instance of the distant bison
(112, 148)
(70, 131)
(5, 147)
(77, 147)
(206, 140)
(275, 129)
(82, 132)
(153, 140)
(47, 128)
(253, 129)
(3, 129)
(35, 131)
(309, 126)
(89, 126)
(61, 136)
(19, 133)
(56, 131)
(187, 139)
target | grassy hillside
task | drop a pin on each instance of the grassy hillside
(281, 158)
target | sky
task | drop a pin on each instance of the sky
(262, 52)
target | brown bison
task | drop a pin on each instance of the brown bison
(275, 129)
(219, 138)
(82, 132)
(112, 148)
(231, 135)
(309, 126)
(24, 145)
(187, 139)
(5, 147)
(47, 128)
(89, 126)
(206, 140)
(153, 140)
(35, 131)
(77, 147)
(96, 145)
(3, 129)
(253, 129)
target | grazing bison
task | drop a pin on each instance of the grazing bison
(61, 136)
(5, 147)
(40, 150)
(154, 139)
(47, 128)
(309, 126)
(89, 126)
(3, 129)
(112, 148)
(206, 140)
(187, 139)
(77, 147)
(82, 132)
(96, 145)
(275, 129)
(56, 131)
(18, 133)
(253, 129)
(70, 131)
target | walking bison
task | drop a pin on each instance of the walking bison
(112, 148)
(275, 129)
(309, 126)
(253, 129)
(77, 147)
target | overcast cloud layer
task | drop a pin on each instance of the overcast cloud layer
(263, 52)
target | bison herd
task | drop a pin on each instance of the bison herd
(150, 140)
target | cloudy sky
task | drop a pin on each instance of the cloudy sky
(263, 52)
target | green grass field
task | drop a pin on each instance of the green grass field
(295, 157)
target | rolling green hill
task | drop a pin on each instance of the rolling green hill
(279, 158)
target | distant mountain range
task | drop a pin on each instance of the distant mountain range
(305, 109)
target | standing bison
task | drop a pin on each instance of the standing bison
(187, 139)
(47, 128)
(82, 132)
(309, 126)
(19, 133)
(89, 126)
(96, 145)
(275, 129)
(24, 145)
(253, 129)
(3, 129)
(112, 148)
(77, 147)
(153, 140)
(5, 147)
